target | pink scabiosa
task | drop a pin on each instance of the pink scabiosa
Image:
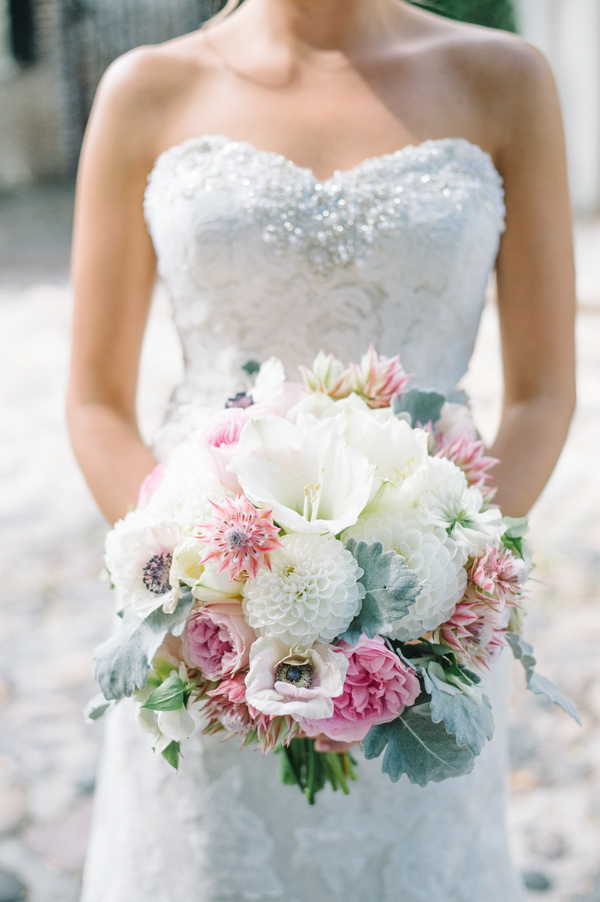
(377, 688)
(240, 537)
(377, 378)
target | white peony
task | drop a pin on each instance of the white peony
(304, 473)
(442, 497)
(431, 553)
(299, 682)
(138, 557)
(188, 487)
(311, 591)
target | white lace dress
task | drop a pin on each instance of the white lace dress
(261, 258)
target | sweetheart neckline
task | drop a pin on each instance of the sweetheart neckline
(337, 173)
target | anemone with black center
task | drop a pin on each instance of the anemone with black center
(297, 674)
(156, 573)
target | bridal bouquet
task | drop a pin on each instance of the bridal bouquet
(321, 559)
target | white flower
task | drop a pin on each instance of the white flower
(298, 682)
(311, 591)
(442, 497)
(162, 727)
(269, 381)
(387, 442)
(304, 473)
(206, 582)
(455, 422)
(189, 485)
(328, 375)
(431, 553)
(138, 557)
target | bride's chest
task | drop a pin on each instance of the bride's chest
(215, 206)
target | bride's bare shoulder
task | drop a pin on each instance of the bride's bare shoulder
(142, 91)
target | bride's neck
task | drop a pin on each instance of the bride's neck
(323, 26)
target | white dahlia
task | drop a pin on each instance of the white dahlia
(310, 592)
(431, 553)
(138, 557)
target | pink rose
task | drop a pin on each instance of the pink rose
(150, 484)
(378, 687)
(217, 640)
(222, 436)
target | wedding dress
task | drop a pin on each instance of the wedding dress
(261, 258)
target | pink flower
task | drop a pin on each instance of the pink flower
(217, 640)
(240, 537)
(227, 709)
(468, 454)
(475, 632)
(221, 436)
(150, 484)
(377, 378)
(378, 687)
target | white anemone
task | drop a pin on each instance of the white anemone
(138, 557)
(431, 553)
(304, 473)
(299, 682)
(310, 592)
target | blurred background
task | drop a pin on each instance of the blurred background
(53, 607)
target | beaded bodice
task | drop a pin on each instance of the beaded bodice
(262, 258)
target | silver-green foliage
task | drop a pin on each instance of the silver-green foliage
(390, 590)
(121, 663)
(539, 684)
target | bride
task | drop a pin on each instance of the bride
(315, 174)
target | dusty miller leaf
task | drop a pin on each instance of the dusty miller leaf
(471, 724)
(422, 406)
(390, 590)
(416, 746)
(121, 663)
(539, 684)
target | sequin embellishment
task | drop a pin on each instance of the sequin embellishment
(334, 222)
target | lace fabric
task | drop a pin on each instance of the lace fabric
(260, 259)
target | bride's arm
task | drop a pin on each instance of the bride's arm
(536, 291)
(113, 273)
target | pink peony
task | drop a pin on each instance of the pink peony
(377, 378)
(221, 436)
(217, 640)
(240, 537)
(378, 687)
(150, 485)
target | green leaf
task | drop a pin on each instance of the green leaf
(251, 367)
(168, 696)
(471, 724)
(172, 753)
(516, 527)
(416, 746)
(422, 406)
(390, 590)
(97, 707)
(121, 663)
(539, 684)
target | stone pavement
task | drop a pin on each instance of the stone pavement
(54, 609)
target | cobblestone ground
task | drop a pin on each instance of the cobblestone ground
(53, 608)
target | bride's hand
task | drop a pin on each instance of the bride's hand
(325, 744)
